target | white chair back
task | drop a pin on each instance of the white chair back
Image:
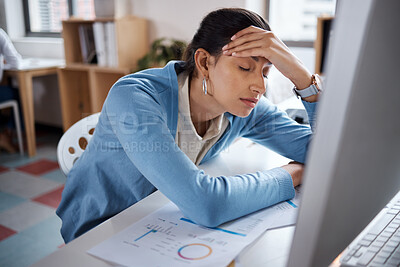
(74, 141)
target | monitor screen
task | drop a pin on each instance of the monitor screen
(353, 168)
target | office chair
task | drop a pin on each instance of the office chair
(74, 142)
(14, 105)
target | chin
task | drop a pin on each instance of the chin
(242, 113)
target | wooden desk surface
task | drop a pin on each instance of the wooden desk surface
(29, 69)
(228, 163)
(31, 64)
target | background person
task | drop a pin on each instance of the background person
(13, 60)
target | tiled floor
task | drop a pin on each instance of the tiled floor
(30, 191)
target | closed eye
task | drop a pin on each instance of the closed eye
(244, 69)
(248, 69)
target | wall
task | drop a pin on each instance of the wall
(177, 18)
(167, 18)
(281, 87)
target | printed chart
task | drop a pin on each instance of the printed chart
(166, 238)
(196, 251)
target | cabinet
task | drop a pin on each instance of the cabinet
(84, 87)
(321, 45)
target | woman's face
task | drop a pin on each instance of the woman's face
(237, 83)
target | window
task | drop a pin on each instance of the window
(295, 21)
(43, 17)
(83, 9)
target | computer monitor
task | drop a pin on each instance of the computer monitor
(353, 168)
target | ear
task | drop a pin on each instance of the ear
(202, 60)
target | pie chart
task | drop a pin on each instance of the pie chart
(195, 251)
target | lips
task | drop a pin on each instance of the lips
(250, 102)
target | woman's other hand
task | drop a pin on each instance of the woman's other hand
(296, 170)
(256, 42)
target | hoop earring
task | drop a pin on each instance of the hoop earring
(204, 86)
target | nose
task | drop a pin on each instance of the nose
(258, 86)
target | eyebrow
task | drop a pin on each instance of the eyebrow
(256, 60)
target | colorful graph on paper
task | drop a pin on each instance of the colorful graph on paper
(167, 238)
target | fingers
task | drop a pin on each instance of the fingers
(246, 39)
(244, 44)
(248, 49)
(245, 31)
(247, 35)
(257, 47)
(254, 52)
(251, 39)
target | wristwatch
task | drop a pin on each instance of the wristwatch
(313, 89)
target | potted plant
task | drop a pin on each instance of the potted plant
(162, 50)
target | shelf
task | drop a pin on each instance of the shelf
(130, 34)
(84, 87)
(95, 67)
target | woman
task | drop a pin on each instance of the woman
(158, 124)
(13, 59)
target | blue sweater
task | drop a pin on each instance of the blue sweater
(133, 153)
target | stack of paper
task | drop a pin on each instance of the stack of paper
(166, 238)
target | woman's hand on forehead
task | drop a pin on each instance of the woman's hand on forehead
(256, 42)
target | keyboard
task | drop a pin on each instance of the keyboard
(379, 244)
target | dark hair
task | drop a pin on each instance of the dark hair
(216, 30)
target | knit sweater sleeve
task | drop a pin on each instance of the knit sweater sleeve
(139, 121)
(271, 127)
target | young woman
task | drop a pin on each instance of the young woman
(157, 125)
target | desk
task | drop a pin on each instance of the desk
(31, 67)
(253, 158)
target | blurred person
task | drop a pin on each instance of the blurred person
(10, 56)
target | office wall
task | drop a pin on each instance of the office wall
(167, 18)
(177, 18)
(281, 87)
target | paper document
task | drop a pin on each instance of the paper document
(167, 238)
(37, 63)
